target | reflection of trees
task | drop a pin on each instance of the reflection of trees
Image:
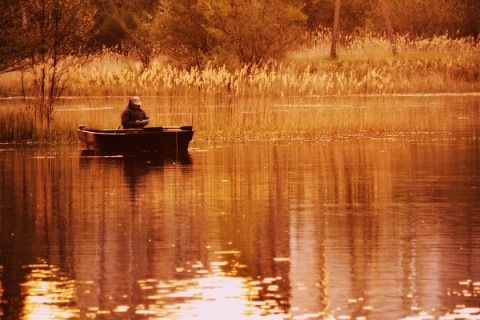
(346, 214)
(35, 219)
(306, 227)
(143, 224)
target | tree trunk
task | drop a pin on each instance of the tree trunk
(336, 19)
(388, 25)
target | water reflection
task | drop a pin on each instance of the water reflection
(136, 167)
(281, 230)
(47, 293)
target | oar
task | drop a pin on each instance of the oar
(189, 128)
(183, 128)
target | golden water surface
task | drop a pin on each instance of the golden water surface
(353, 229)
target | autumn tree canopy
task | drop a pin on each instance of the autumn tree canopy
(195, 32)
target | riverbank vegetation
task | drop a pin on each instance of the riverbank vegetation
(306, 96)
(225, 57)
(439, 64)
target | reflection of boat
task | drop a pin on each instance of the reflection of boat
(142, 159)
(154, 139)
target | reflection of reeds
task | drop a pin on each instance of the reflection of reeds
(244, 103)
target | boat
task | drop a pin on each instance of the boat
(160, 140)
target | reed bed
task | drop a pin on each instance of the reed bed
(307, 96)
(293, 118)
(440, 64)
(408, 73)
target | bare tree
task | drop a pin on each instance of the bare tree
(55, 30)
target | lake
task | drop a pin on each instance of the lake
(385, 228)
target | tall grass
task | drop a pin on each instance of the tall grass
(294, 118)
(439, 64)
(16, 125)
(262, 102)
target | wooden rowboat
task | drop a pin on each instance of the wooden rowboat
(154, 139)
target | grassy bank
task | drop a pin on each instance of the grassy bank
(365, 66)
(262, 102)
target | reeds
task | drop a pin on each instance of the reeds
(288, 118)
(307, 96)
(16, 125)
(408, 73)
(366, 66)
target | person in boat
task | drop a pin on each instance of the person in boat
(134, 117)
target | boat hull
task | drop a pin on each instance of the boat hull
(155, 139)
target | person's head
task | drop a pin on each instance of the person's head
(135, 102)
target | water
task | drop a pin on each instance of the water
(359, 229)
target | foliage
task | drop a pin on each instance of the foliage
(139, 41)
(471, 24)
(17, 125)
(13, 49)
(249, 32)
(194, 32)
(231, 49)
(197, 32)
(232, 32)
(422, 18)
(107, 33)
(355, 14)
(254, 99)
(181, 32)
(116, 21)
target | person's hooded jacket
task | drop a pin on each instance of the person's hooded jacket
(131, 114)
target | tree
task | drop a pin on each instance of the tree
(425, 18)
(471, 26)
(139, 40)
(13, 49)
(229, 32)
(54, 30)
(356, 14)
(125, 26)
(253, 31)
(182, 32)
(336, 20)
(388, 25)
(107, 31)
